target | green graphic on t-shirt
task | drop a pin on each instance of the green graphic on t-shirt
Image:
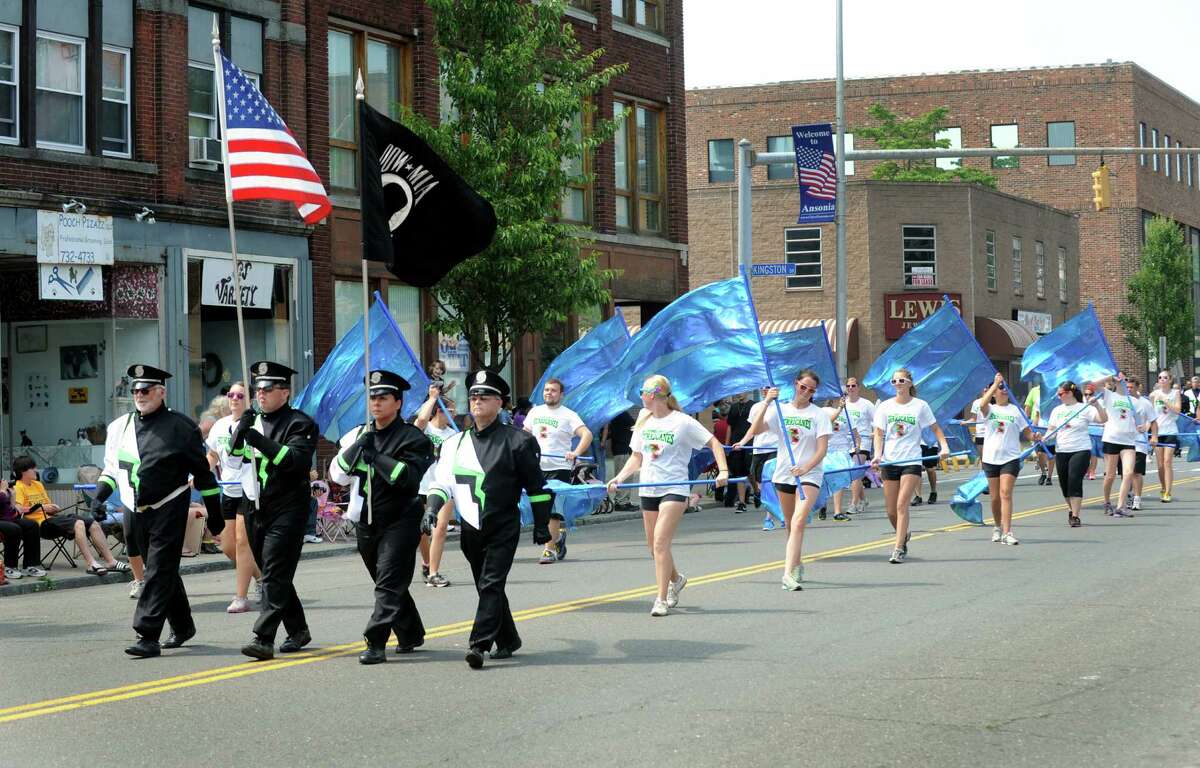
(661, 435)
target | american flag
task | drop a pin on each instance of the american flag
(817, 172)
(265, 162)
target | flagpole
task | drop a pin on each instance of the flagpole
(360, 95)
(219, 77)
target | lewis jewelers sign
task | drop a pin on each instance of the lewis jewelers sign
(902, 311)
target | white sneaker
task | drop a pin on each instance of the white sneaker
(1137, 503)
(791, 579)
(13, 573)
(673, 590)
(257, 593)
(135, 589)
(997, 536)
(34, 572)
(312, 539)
(238, 605)
(660, 608)
(1010, 539)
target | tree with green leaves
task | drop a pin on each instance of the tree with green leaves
(520, 117)
(892, 132)
(1160, 294)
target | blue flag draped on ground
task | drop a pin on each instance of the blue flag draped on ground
(789, 353)
(947, 364)
(1074, 351)
(586, 360)
(336, 397)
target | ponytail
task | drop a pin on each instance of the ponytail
(1073, 388)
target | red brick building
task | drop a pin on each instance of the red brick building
(1113, 104)
(108, 108)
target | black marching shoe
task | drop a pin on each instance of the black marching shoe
(177, 638)
(259, 649)
(144, 648)
(475, 658)
(295, 642)
(375, 654)
(507, 651)
(932, 497)
(403, 648)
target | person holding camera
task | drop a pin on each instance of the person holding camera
(484, 470)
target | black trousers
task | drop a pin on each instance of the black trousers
(159, 535)
(1071, 468)
(15, 532)
(389, 550)
(490, 553)
(276, 541)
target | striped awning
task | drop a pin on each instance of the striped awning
(783, 326)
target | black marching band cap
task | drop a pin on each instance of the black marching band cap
(387, 383)
(141, 376)
(486, 382)
(267, 372)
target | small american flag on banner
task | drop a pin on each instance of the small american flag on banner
(264, 160)
(817, 172)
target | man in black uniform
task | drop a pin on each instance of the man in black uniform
(484, 470)
(281, 442)
(148, 456)
(384, 461)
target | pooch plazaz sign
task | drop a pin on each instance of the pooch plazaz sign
(816, 169)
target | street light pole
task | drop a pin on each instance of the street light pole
(745, 162)
(840, 209)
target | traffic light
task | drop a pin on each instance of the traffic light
(1101, 188)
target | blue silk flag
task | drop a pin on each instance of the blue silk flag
(1074, 351)
(1188, 436)
(336, 397)
(586, 360)
(830, 484)
(570, 501)
(791, 352)
(946, 362)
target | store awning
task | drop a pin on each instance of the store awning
(1001, 338)
(783, 326)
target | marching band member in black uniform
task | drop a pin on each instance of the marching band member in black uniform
(148, 456)
(484, 470)
(280, 442)
(385, 461)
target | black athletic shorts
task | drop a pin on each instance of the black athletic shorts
(1168, 440)
(759, 461)
(895, 472)
(1007, 468)
(927, 451)
(232, 506)
(562, 476)
(650, 503)
(790, 488)
(1114, 449)
(1139, 465)
(979, 442)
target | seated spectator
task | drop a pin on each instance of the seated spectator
(32, 501)
(16, 529)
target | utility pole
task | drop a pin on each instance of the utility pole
(843, 335)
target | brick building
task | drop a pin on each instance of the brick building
(1112, 104)
(108, 107)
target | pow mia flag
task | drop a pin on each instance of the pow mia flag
(419, 217)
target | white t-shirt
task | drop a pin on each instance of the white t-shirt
(228, 467)
(902, 425)
(862, 416)
(1121, 427)
(841, 439)
(803, 427)
(666, 446)
(1145, 415)
(1166, 418)
(980, 429)
(554, 429)
(1002, 433)
(437, 437)
(767, 437)
(1074, 436)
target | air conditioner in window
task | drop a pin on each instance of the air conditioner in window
(204, 152)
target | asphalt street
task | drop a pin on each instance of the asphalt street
(1076, 647)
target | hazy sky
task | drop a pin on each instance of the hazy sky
(728, 42)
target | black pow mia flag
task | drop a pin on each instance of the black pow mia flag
(418, 216)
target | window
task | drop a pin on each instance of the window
(1154, 143)
(919, 255)
(1062, 275)
(802, 247)
(1167, 158)
(849, 143)
(989, 251)
(1004, 137)
(720, 160)
(1039, 258)
(382, 62)
(1060, 135)
(60, 91)
(1017, 266)
(1188, 160)
(954, 136)
(114, 117)
(9, 82)
(1178, 164)
(583, 5)
(639, 167)
(242, 41)
(1142, 143)
(642, 13)
(404, 302)
(778, 171)
(574, 206)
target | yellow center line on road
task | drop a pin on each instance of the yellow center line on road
(244, 669)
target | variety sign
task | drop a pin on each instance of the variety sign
(1037, 322)
(902, 311)
(257, 280)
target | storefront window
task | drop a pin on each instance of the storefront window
(404, 301)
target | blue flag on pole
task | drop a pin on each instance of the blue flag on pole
(947, 364)
(1074, 351)
(336, 397)
(591, 357)
(789, 353)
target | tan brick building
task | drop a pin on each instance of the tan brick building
(1112, 104)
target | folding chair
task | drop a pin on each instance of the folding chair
(58, 547)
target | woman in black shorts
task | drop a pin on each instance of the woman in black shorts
(1004, 426)
(1073, 444)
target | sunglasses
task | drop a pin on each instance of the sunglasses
(1164, 378)
(268, 387)
(236, 395)
(652, 392)
(481, 397)
(851, 386)
(143, 390)
(899, 381)
(805, 388)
